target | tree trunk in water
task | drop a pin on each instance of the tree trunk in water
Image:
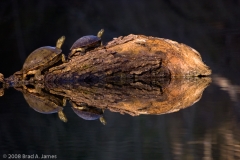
(135, 57)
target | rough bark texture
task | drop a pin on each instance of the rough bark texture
(132, 57)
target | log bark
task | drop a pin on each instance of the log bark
(131, 57)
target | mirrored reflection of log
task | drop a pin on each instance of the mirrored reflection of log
(133, 56)
(43, 102)
(163, 96)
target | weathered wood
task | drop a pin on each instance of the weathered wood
(131, 57)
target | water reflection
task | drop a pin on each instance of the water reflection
(42, 101)
(136, 98)
(208, 130)
(87, 112)
(226, 85)
(90, 100)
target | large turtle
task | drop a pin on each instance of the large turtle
(86, 43)
(43, 58)
(43, 102)
(87, 112)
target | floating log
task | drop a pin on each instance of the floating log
(131, 57)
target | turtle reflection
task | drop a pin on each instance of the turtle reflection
(43, 102)
(87, 112)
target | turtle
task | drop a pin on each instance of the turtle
(43, 58)
(86, 43)
(43, 102)
(87, 112)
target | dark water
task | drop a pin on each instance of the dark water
(209, 129)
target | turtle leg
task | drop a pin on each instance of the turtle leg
(64, 58)
(76, 106)
(100, 33)
(60, 58)
(38, 75)
(72, 104)
(78, 51)
(64, 101)
(73, 51)
(24, 76)
(32, 90)
(62, 116)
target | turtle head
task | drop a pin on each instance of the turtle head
(102, 120)
(60, 42)
(100, 33)
(62, 116)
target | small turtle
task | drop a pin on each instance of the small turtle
(43, 102)
(43, 58)
(88, 112)
(86, 43)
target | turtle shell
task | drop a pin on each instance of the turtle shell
(41, 58)
(88, 41)
(89, 114)
(43, 102)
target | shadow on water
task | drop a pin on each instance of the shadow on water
(91, 102)
(136, 98)
(196, 131)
